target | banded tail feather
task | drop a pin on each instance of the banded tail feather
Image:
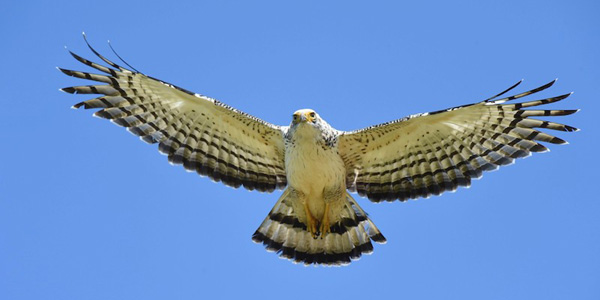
(348, 239)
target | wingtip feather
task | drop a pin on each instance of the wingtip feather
(69, 90)
(549, 84)
(571, 111)
(65, 71)
(102, 115)
(558, 141)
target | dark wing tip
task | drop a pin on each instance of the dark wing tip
(70, 90)
(539, 148)
(119, 56)
(558, 141)
(102, 114)
(78, 105)
(112, 64)
(65, 71)
(570, 111)
(545, 86)
(505, 91)
(77, 57)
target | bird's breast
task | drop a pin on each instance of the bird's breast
(311, 168)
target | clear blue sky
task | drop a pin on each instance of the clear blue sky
(87, 211)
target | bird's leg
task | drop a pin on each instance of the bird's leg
(324, 228)
(311, 222)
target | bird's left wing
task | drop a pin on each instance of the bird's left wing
(427, 154)
(200, 133)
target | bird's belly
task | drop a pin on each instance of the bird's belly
(313, 170)
(317, 176)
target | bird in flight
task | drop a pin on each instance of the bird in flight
(316, 220)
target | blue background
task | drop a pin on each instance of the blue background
(89, 212)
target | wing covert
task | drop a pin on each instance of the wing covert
(427, 154)
(198, 132)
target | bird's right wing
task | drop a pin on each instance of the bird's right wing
(198, 132)
(427, 154)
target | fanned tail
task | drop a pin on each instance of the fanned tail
(349, 238)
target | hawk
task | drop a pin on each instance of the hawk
(316, 220)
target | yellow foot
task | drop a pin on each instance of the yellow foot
(311, 223)
(324, 227)
(312, 227)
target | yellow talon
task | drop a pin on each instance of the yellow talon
(324, 228)
(311, 222)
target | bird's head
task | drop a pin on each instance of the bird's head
(307, 123)
(307, 116)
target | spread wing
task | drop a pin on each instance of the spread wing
(200, 133)
(427, 154)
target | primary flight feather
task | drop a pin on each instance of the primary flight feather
(316, 220)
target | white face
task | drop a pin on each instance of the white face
(304, 116)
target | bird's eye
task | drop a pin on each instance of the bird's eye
(312, 115)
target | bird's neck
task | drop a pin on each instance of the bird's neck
(307, 133)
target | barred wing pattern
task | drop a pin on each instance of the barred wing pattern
(200, 133)
(427, 154)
